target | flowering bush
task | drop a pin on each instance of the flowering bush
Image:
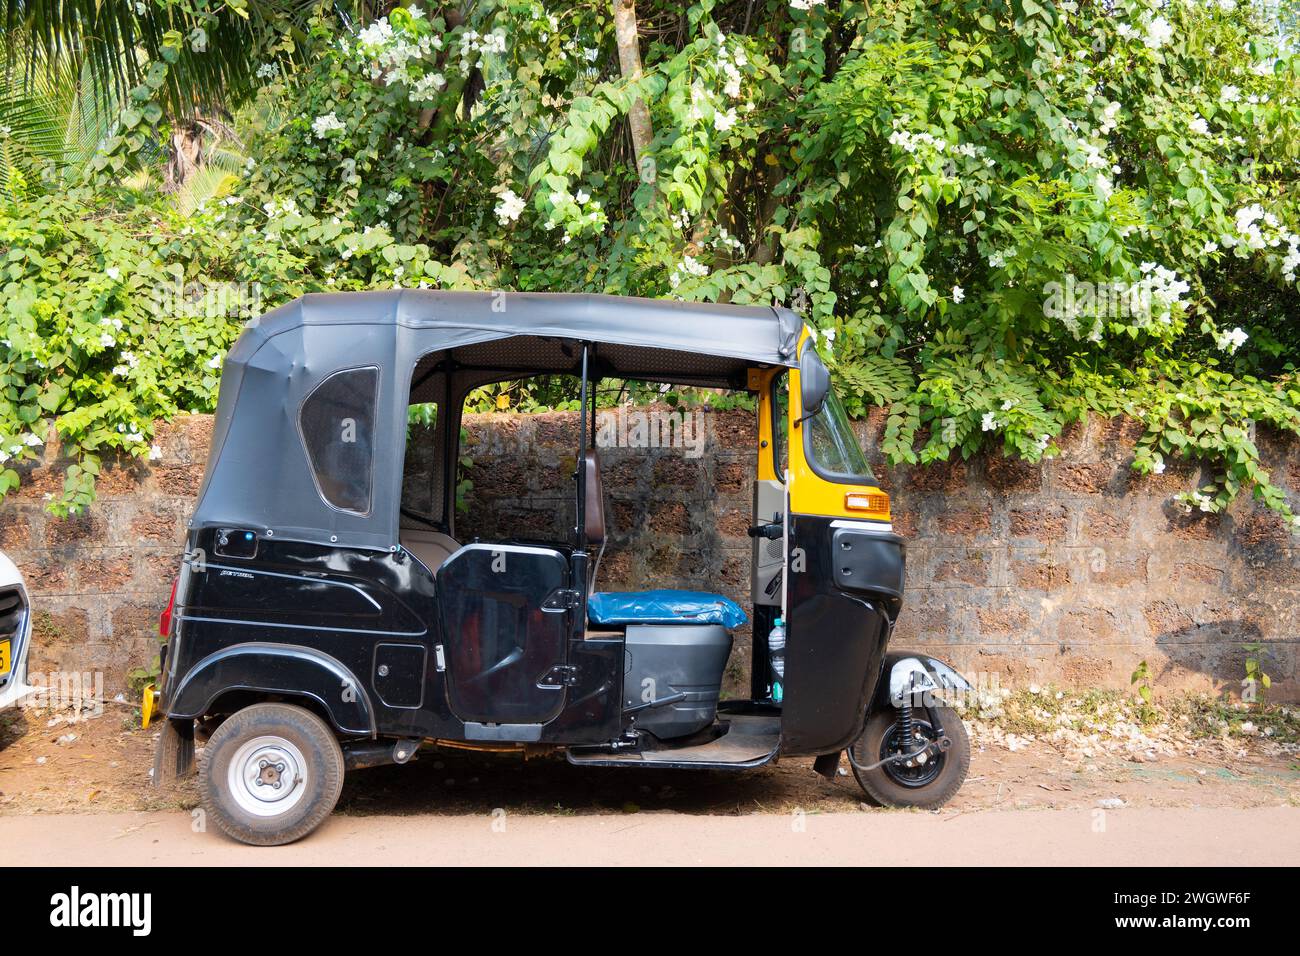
(116, 312)
(1000, 217)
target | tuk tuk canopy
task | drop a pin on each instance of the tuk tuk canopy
(310, 431)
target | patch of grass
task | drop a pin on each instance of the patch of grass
(1040, 710)
(1221, 716)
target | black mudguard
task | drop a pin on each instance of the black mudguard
(268, 668)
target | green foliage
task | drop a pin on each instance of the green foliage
(103, 329)
(1147, 712)
(1001, 217)
(1257, 680)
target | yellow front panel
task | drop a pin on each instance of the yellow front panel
(811, 494)
(760, 381)
(6, 664)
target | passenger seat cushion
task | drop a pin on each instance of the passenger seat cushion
(664, 607)
(431, 547)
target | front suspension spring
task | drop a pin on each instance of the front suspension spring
(903, 733)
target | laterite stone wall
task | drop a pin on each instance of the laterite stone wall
(1072, 571)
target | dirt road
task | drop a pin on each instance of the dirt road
(1128, 836)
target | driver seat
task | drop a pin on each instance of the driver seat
(594, 512)
(430, 547)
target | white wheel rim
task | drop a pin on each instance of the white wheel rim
(267, 776)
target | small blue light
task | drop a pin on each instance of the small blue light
(248, 536)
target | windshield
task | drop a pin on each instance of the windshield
(832, 447)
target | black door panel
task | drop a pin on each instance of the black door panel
(505, 632)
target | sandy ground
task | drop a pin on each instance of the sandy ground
(87, 800)
(106, 768)
(1127, 837)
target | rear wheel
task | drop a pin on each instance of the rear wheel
(271, 774)
(928, 781)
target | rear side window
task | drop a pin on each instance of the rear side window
(338, 431)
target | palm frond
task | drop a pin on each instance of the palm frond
(119, 40)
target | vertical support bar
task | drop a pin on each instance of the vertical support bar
(580, 529)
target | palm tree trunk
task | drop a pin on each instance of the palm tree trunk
(185, 155)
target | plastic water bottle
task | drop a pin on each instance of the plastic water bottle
(776, 654)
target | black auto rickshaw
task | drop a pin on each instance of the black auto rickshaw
(321, 623)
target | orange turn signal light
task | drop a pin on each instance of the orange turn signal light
(874, 503)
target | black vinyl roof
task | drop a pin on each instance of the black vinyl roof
(435, 346)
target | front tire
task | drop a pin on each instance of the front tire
(925, 786)
(271, 774)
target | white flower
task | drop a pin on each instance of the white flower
(806, 4)
(989, 422)
(1109, 118)
(998, 259)
(723, 120)
(266, 71)
(509, 208)
(1230, 341)
(393, 197)
(1229, 94)
(1009, 404)
(198, 39)
(914, 142)
(689, 266)
(958, 293)
(130, 359)
(582, 197)
(426, 86)
(328, 123)
(154, 453)
(214, 362)
(1158, 33)
(1199, 126)
(32, 440)
(139, 9)
(107, 341)
(113, 272)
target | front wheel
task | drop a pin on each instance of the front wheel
(925, 782)
(271, 774)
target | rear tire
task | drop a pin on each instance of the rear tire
(271, 774)
(929, 789)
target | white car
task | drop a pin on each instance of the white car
(15, 634)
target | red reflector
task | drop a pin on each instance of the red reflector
(165, 619)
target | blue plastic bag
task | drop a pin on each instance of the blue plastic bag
(664, 607)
